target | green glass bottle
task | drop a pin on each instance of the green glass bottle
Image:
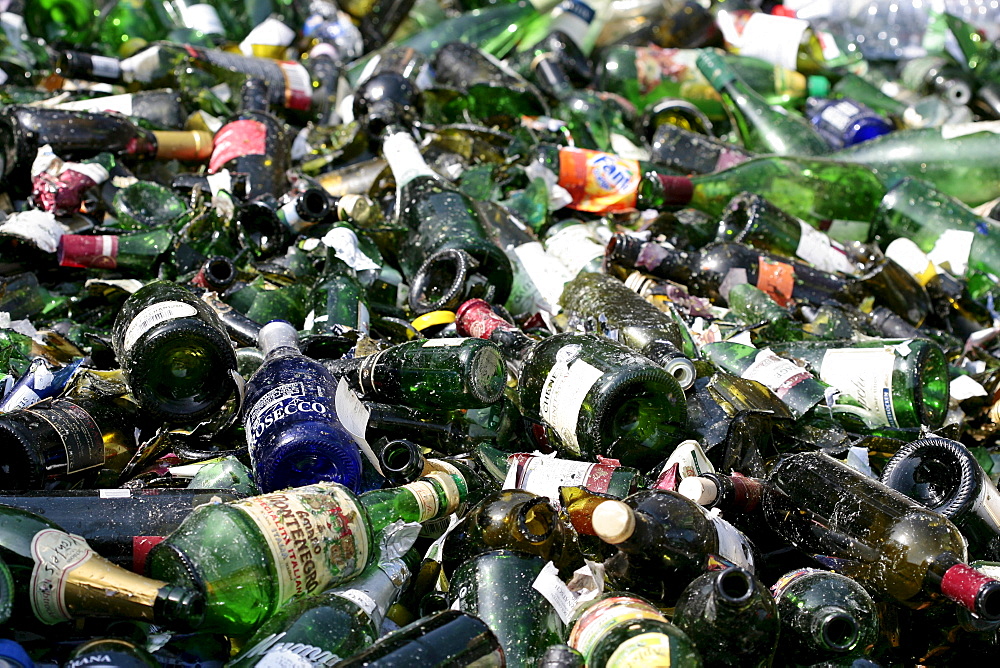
(754, 308)
(516, 520)
(56, 574)
(56, 21)
(446, 373)
(762, 127)
(251, 556)
(545, 475)
(646, 74)
(129, 25)
(177, 358)
(336, 624)
(138, 253)
(443, 223)
(339, 300)
(637, 323)
(904, 383)
(691, 152)
(889, 543)
(443, 639)
(825, 616)
(957, 159)
(664, 541)
(589, 396)
(940, 225)
(620, 629)
(496, 586)
(731, 618)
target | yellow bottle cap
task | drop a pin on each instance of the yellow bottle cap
(432, 319)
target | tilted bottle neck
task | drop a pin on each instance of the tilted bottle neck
(403, 154)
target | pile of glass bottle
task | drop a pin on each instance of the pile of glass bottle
(442, 334)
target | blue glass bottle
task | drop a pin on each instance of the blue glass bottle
(845, 122)
(293, 433)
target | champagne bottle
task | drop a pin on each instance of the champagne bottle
(294, 435)
(177, 358)
(636, 322)
(731, 618)
(825, 616)
(588, 396)
(763, 128)
(79, 134)
(339, 622)
(254, 143)
(944, 476)
(664, 541)
(446, 373)
(65, 440)
(56, 575)
(901, 383)
(887, 542)
(515, 520)
(253, 555)
(621, 629)
(446, 638)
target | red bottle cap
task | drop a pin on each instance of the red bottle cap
(676, 189)
(978, 592)
(476, 318)
(99, 251)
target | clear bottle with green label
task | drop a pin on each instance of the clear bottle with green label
(251, 556)
(178, 360)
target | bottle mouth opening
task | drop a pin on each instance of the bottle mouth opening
(438, 284)
(735, 585)
(398, 456)
(840, 631)
(939, 473)
(537, 520)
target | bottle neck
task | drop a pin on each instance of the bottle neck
(966, 586)
(403, 154)
(376, 591)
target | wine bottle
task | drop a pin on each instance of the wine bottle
(65, 440)
(445, 638)
(944, 476)
(763, 128)
(138, 253)
(253, 555)
(888, 542)
(76, 135)
(691, 152)
(294, 435)
(177, 358)
(825, 616)
(545, 475)
(664, 541)
(55, 575)
(636, 322)
(445, 373)
(161, 108)
(901, 383)
(622, 629)
(339, 622)
(731, 618)
(498, 586)
(254, 143)
(589, 396)
(515, 520)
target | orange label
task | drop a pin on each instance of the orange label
(776, 279)
(598, 182)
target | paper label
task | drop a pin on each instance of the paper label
(154, 315)
(555, 592)
(690, 458)
(821, 251)
(540, 278)
(202, 17)
(642, 651)
(361, 599)
(235, 140)
(354, 415)
(599, 182)
(866, 375)
(777, 279)
(733, 545)
(840, 114)
(449, 342)
(574, 247)
(778, 588)
(565, 387)
(544, 476)
(316, 535)
(285, 658)
(426, 499)
(775, 373)
(98, 251)
(56, 554)
(278, 654)
(105, 68)
(121, 104)
(298, 85)
(603, 616)
(81, 437)
(772, 38)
